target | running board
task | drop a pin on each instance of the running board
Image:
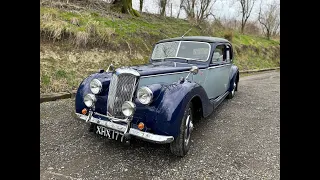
(216, 102)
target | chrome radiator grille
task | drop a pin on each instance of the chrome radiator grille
(121, 89)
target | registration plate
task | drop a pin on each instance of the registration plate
(109, 133)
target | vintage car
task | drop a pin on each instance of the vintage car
(186, 79)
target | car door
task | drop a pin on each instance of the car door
(217, 78)
(226, 68)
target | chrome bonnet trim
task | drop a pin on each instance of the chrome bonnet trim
(127, 71)
(155, 138)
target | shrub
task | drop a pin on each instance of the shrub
(228, 35)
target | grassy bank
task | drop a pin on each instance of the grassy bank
(76, 41)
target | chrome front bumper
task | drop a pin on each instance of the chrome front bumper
(161, 139)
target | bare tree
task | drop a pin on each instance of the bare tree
(141, 5)
(252, 27)
(180, 7)
(270, 19)
(197, 10)
(162, 5)
(205, 10)
(189, 7)
(246, 9)
(230, 23)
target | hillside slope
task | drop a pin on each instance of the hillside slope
(76, 40)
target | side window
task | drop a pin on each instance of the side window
(218, 54)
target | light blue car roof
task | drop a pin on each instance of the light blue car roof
(196, 38)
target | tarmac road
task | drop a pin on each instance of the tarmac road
(240, 140)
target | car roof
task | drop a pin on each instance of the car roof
(196, 38)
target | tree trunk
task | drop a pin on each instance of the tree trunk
(268, 34)
(243, 24)
(163, 4)
(242, 27)
(192, 9)
(126, 7)
(162, 12)
(178, 13)
(141, 5)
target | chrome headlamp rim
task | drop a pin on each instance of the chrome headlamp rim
(95, 83)
(89, 100)
(149, 93)
(128, 105)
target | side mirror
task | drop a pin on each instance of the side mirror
(111, 68)
(194, 70)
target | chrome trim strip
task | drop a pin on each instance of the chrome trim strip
(165, 74)
(178, 48)
(212, 67)
(108, 124)
(219, 100)
(161, 139)
(183, 71)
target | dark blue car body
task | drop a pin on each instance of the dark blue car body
(171, 90)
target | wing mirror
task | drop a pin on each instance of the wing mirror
(194, 70)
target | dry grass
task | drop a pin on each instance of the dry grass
(81, 38)
(63, 71)
(251, 57)
(92, 26)
(71, 32)
(228, 35)
(106, 33)
(75, 21)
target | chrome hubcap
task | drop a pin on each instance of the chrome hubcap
(234, 88)
(188, 129)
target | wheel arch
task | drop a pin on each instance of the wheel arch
(237, 81)
(173, 102)
(197, 107)
(234, 77)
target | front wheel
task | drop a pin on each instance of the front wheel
(180, 146)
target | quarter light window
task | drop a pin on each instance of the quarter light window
(218, 54)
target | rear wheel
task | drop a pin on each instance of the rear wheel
(231, 94)
(180, 146)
